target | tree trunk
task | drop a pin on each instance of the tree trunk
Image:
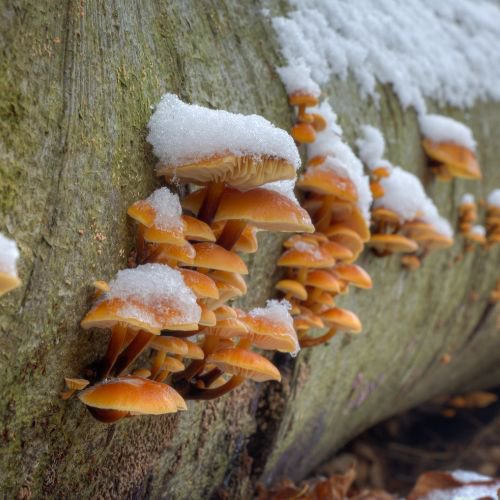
(77, 83)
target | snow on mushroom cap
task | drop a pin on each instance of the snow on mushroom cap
(359, 180)
(494, 198)
(403, 194)
(167, 207)
(150, 283)
(9, 253)
(181, 133)
(479, 230)
(431, 216)
(286, 188)
(439, 128)
(277, 311)
(297, 79)
(371, 146)
(467, 199)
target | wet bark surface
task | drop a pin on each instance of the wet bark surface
(77, 82)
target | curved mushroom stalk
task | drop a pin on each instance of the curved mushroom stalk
(132, 351)
(116, 343)
(211, 202)
(231, 233)
(307, 341)
(197, 393)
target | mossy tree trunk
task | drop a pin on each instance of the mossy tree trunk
(77, 82)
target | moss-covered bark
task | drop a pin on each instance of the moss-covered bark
(77, 80)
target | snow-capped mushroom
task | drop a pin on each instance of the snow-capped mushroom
(450, 144)
(212, 147)
(9, 253)
(147, 299)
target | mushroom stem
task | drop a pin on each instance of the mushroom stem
(314, 295)
(203, 394)
(209, 378)
(324, 214)
(158, 361)
(140, 244)
(132, 351)
(210, 204)
(302, 275)
(231, 233)
(197, 366)
(118, 336)
(162, 375)
(313, 341)
(180, 335)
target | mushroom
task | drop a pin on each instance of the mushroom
(115, 398)
(9, 253)
(146, 299)
(215, 148)
(387, 244)
(73, 385)
(242, 364)
(337, 319)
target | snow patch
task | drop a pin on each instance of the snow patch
(371, 146)
(297, 79)
(182, 133)
(479, 230)
(9, 253)
(446, 50)
(467, 199)
(440, 128)
(494, 198)
(285, 188)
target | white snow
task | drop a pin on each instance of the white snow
(466, 476)
(479, 230)
(9, 253)
(285, 188)
(297, 79)
(446, 50)
(371, 147)
(182, 133)
(167, 208)
(329, 143)
(494, 198)
(310, 248)
(155, 285)
(440, 128)
(405, 195)
(278, 311)
(467, 199)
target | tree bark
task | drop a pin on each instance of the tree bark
(77, 82)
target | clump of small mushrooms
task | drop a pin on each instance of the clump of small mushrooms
(404, 218)
(493, 218)
(321, 266)
(175, 303)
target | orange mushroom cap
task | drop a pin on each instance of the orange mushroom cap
(225, 312)
(213, 256)
(323, 280)
(133, 394)
(328, 182)
(194, 350)
(346, 237)
(8, 282)
(172, 345)
(392, 243)
(303, 133)
(459, 160)
(197, 230)
(165, 253)
(303, 99)
(342, 319)
(293, 288)
(248, 364)
(265, 209)
(381, 214)
(306, 255)
(203, 286)
(354, 275)
(231, 278)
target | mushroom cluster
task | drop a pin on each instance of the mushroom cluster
(473, 234)
(175, 303)
(9, 253)
(404, 218)
(303, 92)
(321, 266)
(450, 147)
(493, 218)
